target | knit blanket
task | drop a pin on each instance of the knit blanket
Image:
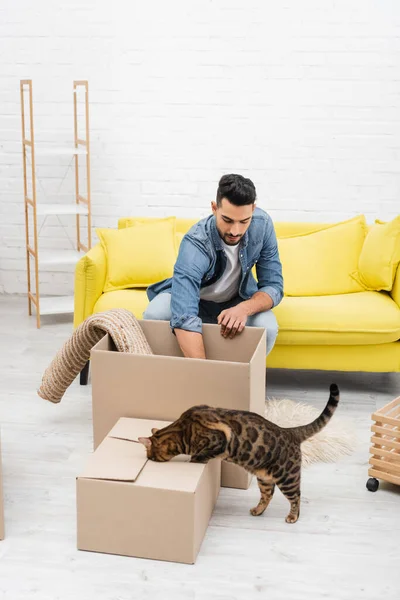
(125, 332)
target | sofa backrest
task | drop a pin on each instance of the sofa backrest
(283, 228)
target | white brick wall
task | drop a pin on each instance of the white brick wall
(303, 96)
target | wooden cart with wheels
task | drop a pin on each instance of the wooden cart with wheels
(385, 446)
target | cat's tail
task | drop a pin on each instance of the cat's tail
(306, 431)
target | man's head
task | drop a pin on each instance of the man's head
(233, 208)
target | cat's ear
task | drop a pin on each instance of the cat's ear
(145, 441)
(154, 430)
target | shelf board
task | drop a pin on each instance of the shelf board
(58, 151)
(54, 258)
(56, 305)
(61, 209)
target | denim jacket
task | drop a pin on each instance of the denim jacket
(201, 261)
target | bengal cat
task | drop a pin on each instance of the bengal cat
(270, 452)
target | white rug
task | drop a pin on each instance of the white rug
(337, 439)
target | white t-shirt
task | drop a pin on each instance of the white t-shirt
(227, 287)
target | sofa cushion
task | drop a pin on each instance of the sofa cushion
(134, 300)
(321, 262)
(372, 358)
(380, 256)
(348, 319)
(178, 239)
(360, 318)
(126, 222)
(183, 225)
(140, 255)
(284, 229)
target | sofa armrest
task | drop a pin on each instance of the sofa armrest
(90, 275)
(395, 293)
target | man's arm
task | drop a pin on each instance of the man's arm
(191, 343)
(259, 302)
(191, 265)
(270, 288)
(269, 267)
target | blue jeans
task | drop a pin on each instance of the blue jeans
(159, 309)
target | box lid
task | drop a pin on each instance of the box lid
(179, 474)
(120, 457)
(132, 429)
(117, 460)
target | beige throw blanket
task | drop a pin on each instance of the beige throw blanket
(125, 332)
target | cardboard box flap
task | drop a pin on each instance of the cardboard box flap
(116, 460)
(132, 429)
(178, 475)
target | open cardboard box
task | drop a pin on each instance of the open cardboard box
(131, 506)
(1, 503)
(164, 385)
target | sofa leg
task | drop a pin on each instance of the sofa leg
(84, 376)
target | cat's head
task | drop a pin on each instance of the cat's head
(162, 445)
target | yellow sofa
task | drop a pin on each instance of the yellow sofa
(346, 332)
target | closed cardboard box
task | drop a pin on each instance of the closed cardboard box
(132, 506)
(1, 503)
(164, 385)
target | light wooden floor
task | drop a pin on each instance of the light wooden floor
(345, 546)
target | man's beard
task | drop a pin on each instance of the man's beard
(232, 241)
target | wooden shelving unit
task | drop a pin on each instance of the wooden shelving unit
(81, 208)
(385, 446)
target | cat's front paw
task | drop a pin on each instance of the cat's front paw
(257, 510)
(291, 518)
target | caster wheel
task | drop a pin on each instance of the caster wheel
(372, 484)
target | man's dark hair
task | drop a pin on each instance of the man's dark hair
(237, 189)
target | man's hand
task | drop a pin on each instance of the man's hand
(233, 320)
